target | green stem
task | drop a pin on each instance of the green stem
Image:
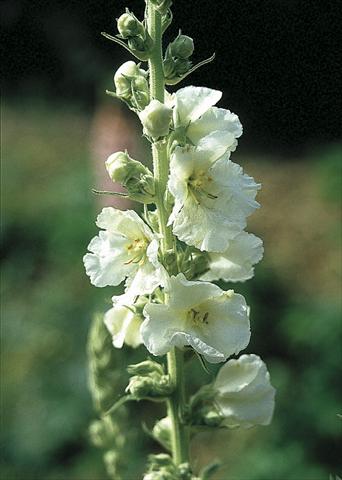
(159, 149)
(179, 436)
(161, 171)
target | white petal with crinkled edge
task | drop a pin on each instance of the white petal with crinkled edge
(191, 102)
(218, 329)
(236, 263)
(205, 229)
(219, 212)
(123, 325)
(116, 253)
(214, 120)
(219, 142)
(123, 222)
(106, 265)
(245, 395)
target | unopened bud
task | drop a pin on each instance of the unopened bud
(145, 368)
(97, 433)
(182, 47)
(162, 432)
(156, 119)
(121, 167)
(111, 459)
(149, 380)
(131, 85)
(140, 387)
(129, 26)
(211, 416)
(133, 175)
(185, 472)
(159, 460)
(175, 68)
(159, 475)
(161, 5)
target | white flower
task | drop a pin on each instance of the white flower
(156, 118)
(213, 197)
(194, 111)
(236, 263)
(123, 324)
(215, 323)
(244, 395)
(125, 248)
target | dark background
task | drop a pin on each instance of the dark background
(279, 67)
(277, 61)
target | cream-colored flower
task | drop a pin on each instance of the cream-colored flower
(244, 394)
(213, 322)
(123, 323)
(213, 197)
(194, 110)
(236, 263)
(125, 248)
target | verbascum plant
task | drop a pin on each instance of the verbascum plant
(196, 202)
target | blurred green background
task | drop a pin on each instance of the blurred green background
(58, 129)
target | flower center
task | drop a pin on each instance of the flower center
(197, 318)
(199, 183)
(137, 250)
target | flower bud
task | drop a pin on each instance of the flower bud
(131, 85)
(129, 25)
(161, 5)
(182, 47)
(149, 380)
(140, 387)
(156, 119)
(184, 471)
(121, 167)
(162, 432)
(111, 459)
(211, 416)
(133, 175)
(159, 475)
(175, 69)
(145, 368)
(161, 467)
(97, 433)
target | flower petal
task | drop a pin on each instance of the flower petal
(236, 263)
(214, 119)
(192, 102)
(244, 392)
(184, 294)
(123, 325)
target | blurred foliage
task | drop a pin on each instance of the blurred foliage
(47, 222)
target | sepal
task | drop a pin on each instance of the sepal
(149, 381)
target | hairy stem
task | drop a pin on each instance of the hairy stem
(179, 437)
(161, 170)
